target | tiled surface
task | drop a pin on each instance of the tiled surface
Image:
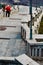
(11, 43)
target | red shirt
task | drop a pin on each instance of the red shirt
(8, 8)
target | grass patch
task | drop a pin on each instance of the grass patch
(41, 27)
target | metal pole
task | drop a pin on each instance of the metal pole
(36, 4)
(31, 19)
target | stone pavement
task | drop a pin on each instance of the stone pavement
(11, 43)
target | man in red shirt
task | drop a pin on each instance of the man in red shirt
(8, 10)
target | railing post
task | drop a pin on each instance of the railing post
(31, 19)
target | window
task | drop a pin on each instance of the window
(37, 52)
(42, 52)
(31, 51)
(34, 51)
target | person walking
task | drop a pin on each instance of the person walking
(8, 10)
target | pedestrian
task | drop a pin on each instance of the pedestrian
(8, 10)
(3, 9)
